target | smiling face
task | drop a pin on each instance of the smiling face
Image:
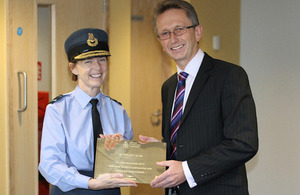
(181, 48)
(91, 74)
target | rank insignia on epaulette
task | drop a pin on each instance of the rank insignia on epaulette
(56, 98)
(116, 101)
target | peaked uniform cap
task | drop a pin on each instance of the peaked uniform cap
(87, 43)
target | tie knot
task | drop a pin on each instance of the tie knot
(94, 102)
(182, 76)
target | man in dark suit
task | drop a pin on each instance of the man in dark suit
(216, 129)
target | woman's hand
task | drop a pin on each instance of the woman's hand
(111, 140)
(110, 180)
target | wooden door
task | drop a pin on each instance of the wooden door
(69, 16)
(22, 96)
(72, 15)
(150, 68)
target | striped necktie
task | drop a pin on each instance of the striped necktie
(177, 111)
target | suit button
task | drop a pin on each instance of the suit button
(180, 146)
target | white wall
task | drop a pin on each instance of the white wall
(270, 53)
(44, 47)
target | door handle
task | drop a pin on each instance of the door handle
(20, 91)
(156, 115)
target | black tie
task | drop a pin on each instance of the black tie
(97, 128)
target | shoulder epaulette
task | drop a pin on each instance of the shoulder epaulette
(56, 98)
(116, 101)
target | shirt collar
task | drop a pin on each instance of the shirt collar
(83, 98)
(194, 65)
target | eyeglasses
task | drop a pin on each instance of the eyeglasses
(177, 31)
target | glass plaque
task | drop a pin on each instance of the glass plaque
(135, 160)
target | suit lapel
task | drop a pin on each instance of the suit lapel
(198, 84)
(170, 99)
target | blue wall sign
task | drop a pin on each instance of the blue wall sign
(20, 31)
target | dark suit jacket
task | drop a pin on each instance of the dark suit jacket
(218, 132)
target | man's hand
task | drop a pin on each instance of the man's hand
(172, 177)
(145, 139)
(110, 180)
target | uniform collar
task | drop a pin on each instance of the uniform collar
(83, 98)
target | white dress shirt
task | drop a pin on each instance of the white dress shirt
(192, 69)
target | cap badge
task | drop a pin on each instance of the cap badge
(92, 41)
